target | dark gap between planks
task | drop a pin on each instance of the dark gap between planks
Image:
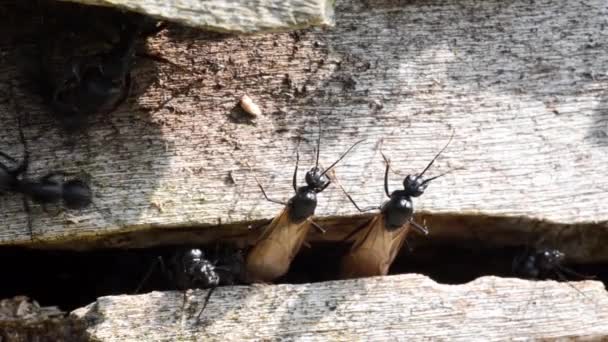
(70, 279)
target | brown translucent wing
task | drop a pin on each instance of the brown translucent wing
(374, 250)
(272, 254)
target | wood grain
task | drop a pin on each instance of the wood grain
(523, 84)
(235, 16)
(405, 307)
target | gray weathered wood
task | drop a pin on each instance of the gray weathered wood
(405, 307)
(22, 319)
(235, 16)
(523, 84)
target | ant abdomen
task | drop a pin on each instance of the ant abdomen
(76, 194)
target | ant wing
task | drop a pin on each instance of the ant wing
(374, 250)
(279, 243)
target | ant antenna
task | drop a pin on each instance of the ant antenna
(441, 175)
(318, 142)
(437, 155)
(342, 156)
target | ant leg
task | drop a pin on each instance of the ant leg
(146, 276)
(198, 317)
(561, 277)
(26, 154)
(163, 268)
(574, 273)
(270, 199)
(362, 210)
(421, 229)
(318, 227)
(184, 299)
(160, 59)
(7, 157)
(5, 168)
(262, 188)
(28, 212)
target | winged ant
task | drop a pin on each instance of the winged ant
(193, 267)
(377, 242)
(283, 237)
(50, 189)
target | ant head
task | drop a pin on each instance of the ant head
(76, 194)
(414, 185)
(551, 258)
(316, 178)
(194, 254)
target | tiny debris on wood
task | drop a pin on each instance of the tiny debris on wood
(250, 107)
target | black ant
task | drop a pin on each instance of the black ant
(283, 237)
(50, 189)
(543, 263)
(96, 83)
(377, 242)
(191, 268)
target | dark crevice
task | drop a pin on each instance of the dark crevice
(71, 279)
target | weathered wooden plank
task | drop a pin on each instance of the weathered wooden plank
(523, 84)
(402, 307)
(236, 16)
(22, 319)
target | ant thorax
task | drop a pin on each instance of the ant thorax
(398, 210)
(198, 270)
(303, 204)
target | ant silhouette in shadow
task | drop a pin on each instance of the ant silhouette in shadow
(543, 263)
(52, 188)
(95, 83)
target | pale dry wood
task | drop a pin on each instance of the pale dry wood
(234, 16)
(523, 84)
(404, 307)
